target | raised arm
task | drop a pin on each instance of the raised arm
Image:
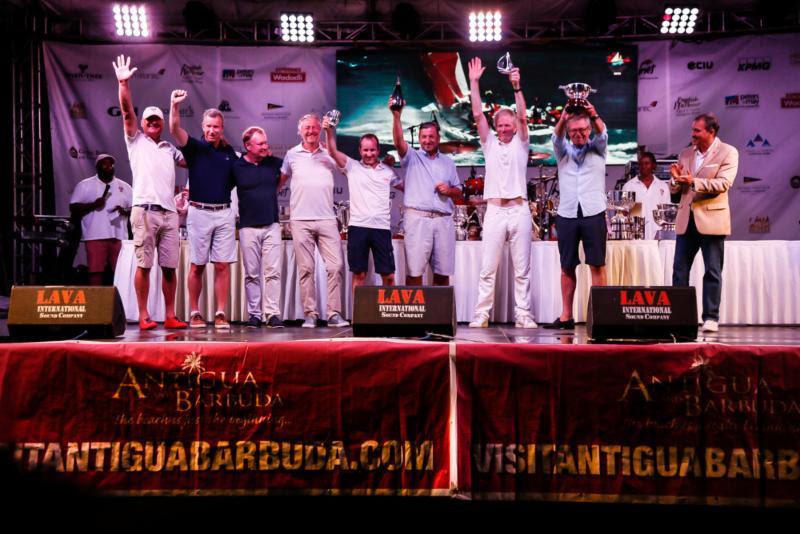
(180, 135)
(397, 132)
(594, 118)
(519, 101)
(124, 73)
(330, 133)
(476, 69)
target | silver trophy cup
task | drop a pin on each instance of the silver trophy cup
(577, 96)
(504, 64)
(333, 116)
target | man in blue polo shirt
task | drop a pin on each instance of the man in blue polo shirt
(257, 177)
(211, 223)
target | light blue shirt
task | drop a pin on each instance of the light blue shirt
(581, 175)
(422, 175)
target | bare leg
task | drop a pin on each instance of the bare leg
(169, 283)
(598, 275)
(141, 283)
(388, 279)
(195, 284)
(568, 283)
(222, 284)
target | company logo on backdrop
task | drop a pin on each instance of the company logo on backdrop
(225, 106)
(742, 101)
(758, 146)
(238, 75)
(647, 70)
(275, 112)
(758, 224)
(700, 65)
(753, 184)
(185, 112)
(84, 74)
(149, 75)
(288, 75)
(192, 73)
(83, 153)
(77, 110)
(686, 105)
(749, 64)
(617, 62)
(791, 100)
(648, 108)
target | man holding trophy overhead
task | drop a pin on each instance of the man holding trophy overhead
(582, 205)
(507, 215)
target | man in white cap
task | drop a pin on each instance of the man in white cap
(153, 217)
(103, 203)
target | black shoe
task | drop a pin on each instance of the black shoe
(253, 322)
(558, 324)
(274, 322)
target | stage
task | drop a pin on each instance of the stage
(493, 414)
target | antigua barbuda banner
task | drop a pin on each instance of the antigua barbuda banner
(315, 417)
(659, 424)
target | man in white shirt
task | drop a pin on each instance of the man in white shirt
(508, 216)
(650, 192)
(153, 217)
(103, 203)
(310, 168)
(370, 183)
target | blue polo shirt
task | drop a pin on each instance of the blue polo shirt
(257, 187)
(210, 178)
(422, 175)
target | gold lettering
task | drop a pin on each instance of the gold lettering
(223, 458)
(245, 455)
(158, 464)
(565, 461)
(131, 456)
(182, 402)
(787, 464)
(643, 461)
(77, 457)
(369, 460)
(315, 457)
(391, 455)
(636, 383)
(292, 456)
(130, 383)
(269, 455)
(664, 468)
(589, 461)
(338, 456)
(739, 465)
(715, 462)
(176, 459)
(547, 458)
(198, 456)
(611, 452)
(53, 458)
(511, 456)
(100, 448)
(531, 458)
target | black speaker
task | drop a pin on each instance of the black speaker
(403, 311)
(642, 313)
(63, 312)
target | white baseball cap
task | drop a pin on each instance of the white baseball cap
(153, 111)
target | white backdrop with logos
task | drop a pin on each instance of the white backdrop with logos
(753, 85)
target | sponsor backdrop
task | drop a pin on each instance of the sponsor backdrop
(753, 85)
(750, 82)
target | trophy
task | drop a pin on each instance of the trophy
(504, 64)
(396, 101)
(333, 116)
(577, 95)
(460, 218)
(621, 225)
(342, 211)
(665, 215)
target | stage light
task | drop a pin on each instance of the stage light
(679, 20)
(130, 20)
(485, 26)
(297, 27)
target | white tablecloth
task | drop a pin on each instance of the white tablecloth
(761, 281)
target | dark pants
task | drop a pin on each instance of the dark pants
(713, 247)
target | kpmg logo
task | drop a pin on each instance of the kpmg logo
(647, 70)
(238, 75)
(700, 65)
(750, 64)
(759, 146)
(288, 75)
(685, 105)
(192, 73)
(742, 101)
(84, 75)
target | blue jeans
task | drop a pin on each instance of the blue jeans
(713, 248)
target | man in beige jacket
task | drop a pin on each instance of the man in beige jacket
(703, 175)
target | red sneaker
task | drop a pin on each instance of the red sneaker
(146, 324)
(174, 323)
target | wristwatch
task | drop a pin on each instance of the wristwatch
(594, 117)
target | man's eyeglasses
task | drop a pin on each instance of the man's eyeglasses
(579, 130)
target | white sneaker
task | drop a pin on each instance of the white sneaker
(337, 321)
(526, 322)
(310, 322)
(710, 326)
(480, 321)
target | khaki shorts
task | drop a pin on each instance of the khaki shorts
(155, 229)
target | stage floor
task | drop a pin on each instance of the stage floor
(496, 333)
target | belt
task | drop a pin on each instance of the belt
(151, 207)
(209, 207)
(426, 213)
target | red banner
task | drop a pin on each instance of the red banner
(231, 418)
(705, 424)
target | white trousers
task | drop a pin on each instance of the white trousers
(261, 257)
(512, 223)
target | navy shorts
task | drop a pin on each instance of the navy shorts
(591, 230)
(361, 240)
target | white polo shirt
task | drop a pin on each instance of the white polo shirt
(105, 223)
(311, 186)
(650, 197)
(506, 167)
(153, 170)
(370, 190)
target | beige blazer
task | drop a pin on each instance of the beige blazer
(708, 197)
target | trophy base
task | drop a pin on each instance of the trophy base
(664, 235)
(575, 106)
